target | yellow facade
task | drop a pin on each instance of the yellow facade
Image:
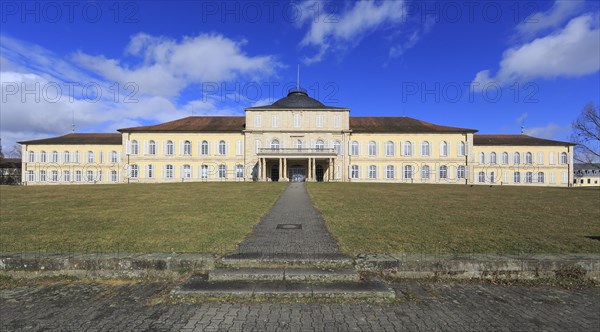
(298, 138)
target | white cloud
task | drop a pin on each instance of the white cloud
(521, 118)
(332, 31)
(550, 131)
(570, 52)
(168, 65)
(554, 17)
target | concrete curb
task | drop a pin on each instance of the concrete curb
(481, 266)
(102, 265)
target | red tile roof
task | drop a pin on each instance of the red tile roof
(379, 124)
(517, 140)
(84, 138)
(196, 124)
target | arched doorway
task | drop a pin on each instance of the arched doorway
(319, 173)
(275, 173)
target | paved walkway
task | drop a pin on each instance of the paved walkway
(421, 307)
(292, 226)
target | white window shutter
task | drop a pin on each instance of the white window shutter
(552, 156)
(227, 148)
(164, 148)
(216, 148)
(128, 147)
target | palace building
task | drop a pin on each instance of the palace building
(297, 138)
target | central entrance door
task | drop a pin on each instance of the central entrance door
(275, 173)
(297, 174)
(319, 173)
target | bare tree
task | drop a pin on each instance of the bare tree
(586, 133)
(15, 151)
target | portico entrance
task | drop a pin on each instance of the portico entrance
(284, 165)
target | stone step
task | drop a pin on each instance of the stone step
(282, 260)
(372, 288)
(284, 274)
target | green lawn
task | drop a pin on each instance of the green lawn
(393, 218)
(181, 217)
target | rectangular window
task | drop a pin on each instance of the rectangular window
(90, 158)
(460, 172)
(113, 176)
(78, 176)
(408, 172)
(372, 172)
(42, 176)
(257, 121)
(354, 172)
(54, 176)
(239, 171)
(67, 157)
(187, 171)
(552, 177)
(297, 120)
(30, 176)
(66, 176)
(517, 177)
(274, 121)
(565, 177)
(169, 171)
(134, 171)
(150, 171)
(443, 172)
(238, 148)
(90, 176)
(222, 171)
(99, 176)
(319, 121)
(389, 172)
(204, 171)
(336, 122)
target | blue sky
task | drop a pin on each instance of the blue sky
(485, 65)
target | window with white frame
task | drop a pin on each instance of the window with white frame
(66, 157)
(552, 179)
(372, 172)
(564, 158)
(169, 172)
(299, 144)
(297, 120)
(43, 157)
(30, 176)
(170, 148)
(54, 156)
(90, 157)
(187, 148)
(320, 145)
(407, 148)
(540, 177)
(354, 148)
(66, 176)
(114, 157)
(187, 172)
(482, 158)
(222, 172)
(372, 148)
(150, 171)
(528, 177)
(204, 148)
(90, 176)
(390, 172)
(204, 171)
(462, 149)
(443, 172)
(319, 121)
(337, 146)
(517, 177)
(54, 176)
(390, 148)
(99, 176)
(516, 158)
(354, 171)
(76, 156)
(504, 158)
(492, 177)
(408, 171)
(425, 172)
(275, 144)
(257, 146)
(493, 158)
(425, 150)
(222, 148)
(461, 172)
(257, 121)
(31, 157)
(443, 149)
(239, 171)
(481, 177)
(42, 176)
(133, 171)
(113, 176)
(528, 158)
(152, 147)
(336, 121)
(78, 175)
(274, 121)
(135, 147)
